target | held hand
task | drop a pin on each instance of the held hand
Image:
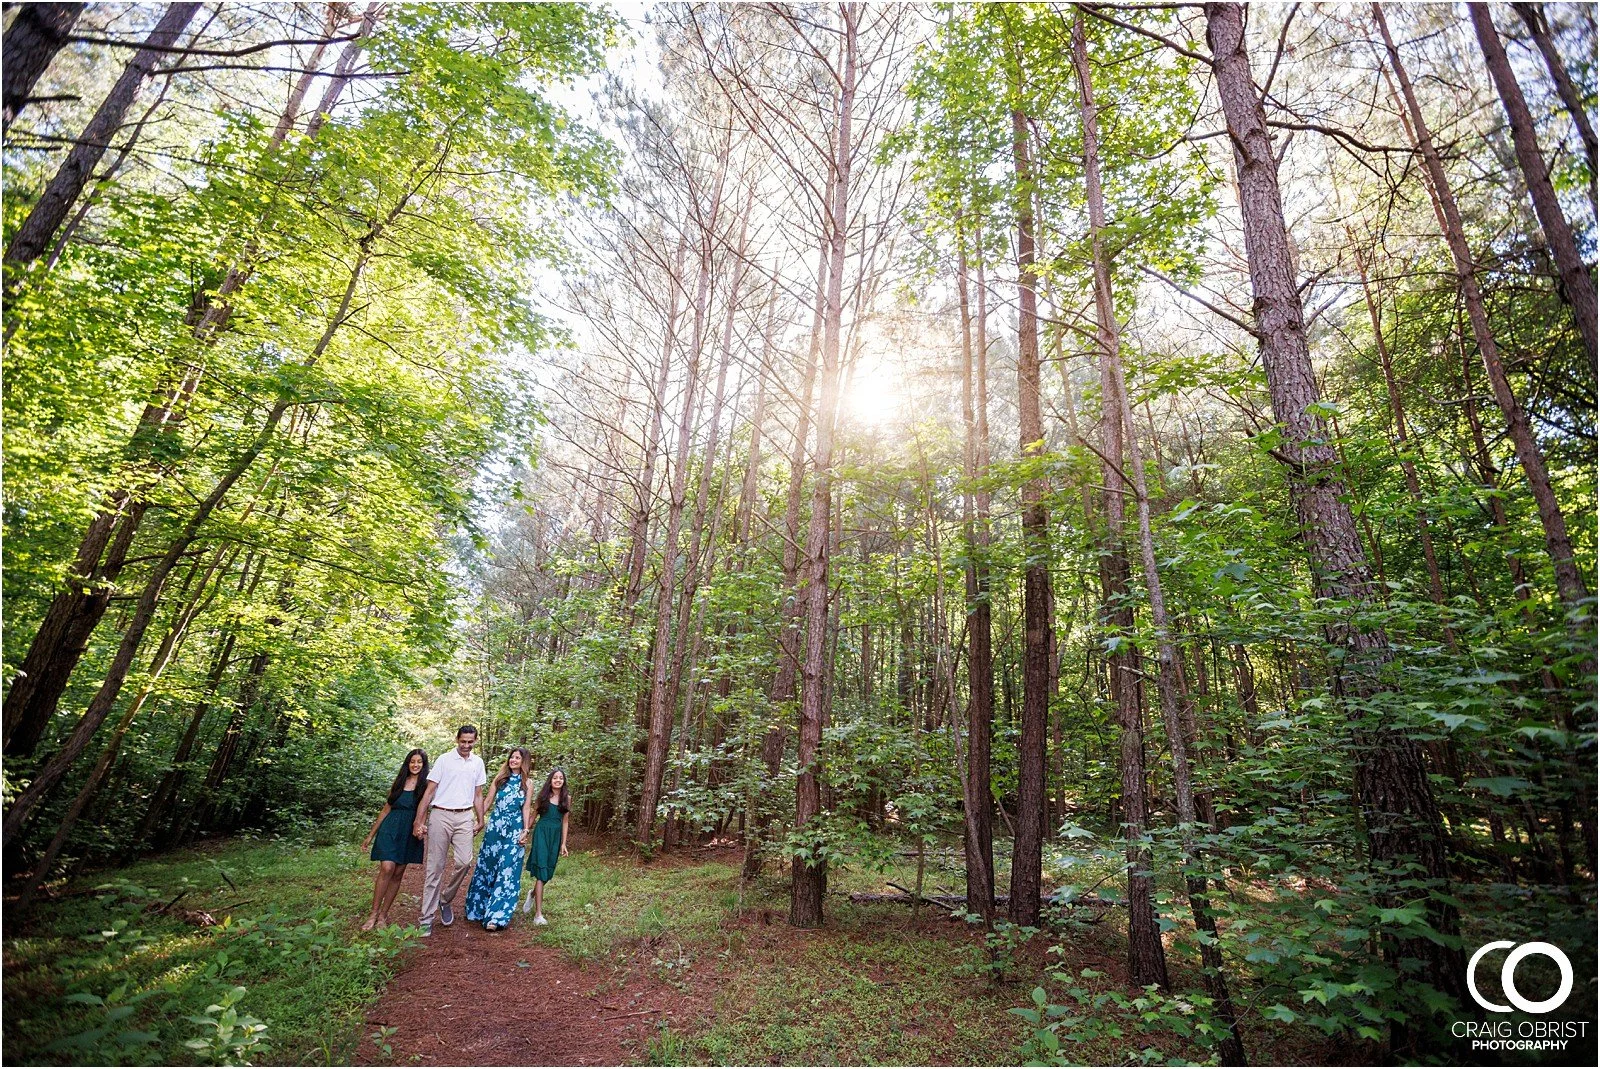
(477, 825)
(420, 830)
(522, 840)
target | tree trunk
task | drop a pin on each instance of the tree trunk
(1569, 582)
(74, 613)
(343, 69)
(1539, 28)
(978, 835)
(144, 612)
(1576, 286)
(1147, 959)
(1027, 851)
(202, 813)
(783, 689)
(1397, 805)
(808, 877)
(171, 783)
(1168, 679)
(659, 717)
(170, 643)
(638, 550)
(749, 489)
(33, 236)
(697, 522)
(37, 33)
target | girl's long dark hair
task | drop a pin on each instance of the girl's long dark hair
(399, 783)
(563, 803)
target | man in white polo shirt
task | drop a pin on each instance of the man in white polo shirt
(450, 814)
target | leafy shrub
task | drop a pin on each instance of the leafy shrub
(996, 959)
(1134, 1024)
(227, 1036)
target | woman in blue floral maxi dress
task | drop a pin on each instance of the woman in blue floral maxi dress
(497, 877)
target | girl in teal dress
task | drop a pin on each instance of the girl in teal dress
(549, 839)
(393, 845)
(492, 897)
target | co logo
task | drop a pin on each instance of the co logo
(1508, 976)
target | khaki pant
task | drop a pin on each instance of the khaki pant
(448, 833)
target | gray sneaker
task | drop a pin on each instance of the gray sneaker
(427, 930)
(447, 916)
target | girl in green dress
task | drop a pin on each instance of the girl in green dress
(549, 839)
(393, 845)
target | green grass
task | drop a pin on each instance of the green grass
(875, 986)
(307, 977)
(597, 904)
(862, 992)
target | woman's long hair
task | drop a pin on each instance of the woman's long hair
(563, 803)
(505, 771)
(399, 783)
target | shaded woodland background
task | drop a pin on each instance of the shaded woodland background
(1151, 439)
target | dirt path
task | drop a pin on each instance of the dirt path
(470, 997)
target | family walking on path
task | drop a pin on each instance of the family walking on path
(434, 811)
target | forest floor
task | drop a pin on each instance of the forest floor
(667, 962)
(673, 962)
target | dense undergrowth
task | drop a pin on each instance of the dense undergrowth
(231, 953)
(246, 951)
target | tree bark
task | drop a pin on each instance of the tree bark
(784, 679)
(808, 877)
(1576, 286)
(1027, 851)
(33, 236)
(37, 33)
(1397, 804)
(978, 835)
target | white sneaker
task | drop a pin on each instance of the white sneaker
(527, 903)
(540, 919)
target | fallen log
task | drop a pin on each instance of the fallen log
(905, 898)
